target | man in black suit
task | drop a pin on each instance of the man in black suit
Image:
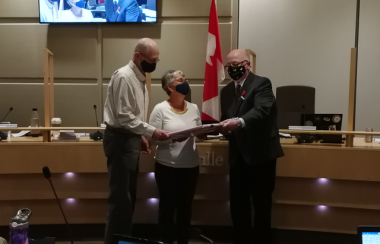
(123, 11)
(249, 117)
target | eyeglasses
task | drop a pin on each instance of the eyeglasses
(156, 60)
(242, 63)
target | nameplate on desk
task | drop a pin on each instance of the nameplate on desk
(294, 127)
(8, 125)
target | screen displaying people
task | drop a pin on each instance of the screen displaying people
(97, 11)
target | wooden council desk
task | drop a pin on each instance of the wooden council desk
(319, 187)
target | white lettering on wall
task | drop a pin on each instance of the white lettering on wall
(210, 160)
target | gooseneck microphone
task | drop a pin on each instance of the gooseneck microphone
(97, 136)
(10, 110)
(96, 116)
(197, 233)
(47, 174)
(4, 136)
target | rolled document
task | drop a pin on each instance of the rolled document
(201, 129)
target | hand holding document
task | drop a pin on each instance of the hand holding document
(201, 129)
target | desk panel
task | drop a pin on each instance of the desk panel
(348, 191)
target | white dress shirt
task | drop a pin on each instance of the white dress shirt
(127, 101)
(241, 83)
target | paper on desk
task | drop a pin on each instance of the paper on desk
(201, 129)
(214, 136)
(285, 135)
(82, 134)
(21, 133)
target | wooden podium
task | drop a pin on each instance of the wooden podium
(48, 92)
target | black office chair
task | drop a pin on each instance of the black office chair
(292, 102)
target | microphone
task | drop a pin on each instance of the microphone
(10, 110)
(3, 135)
(97, 136)
(197, 233)
(47, 174)
(96, 116)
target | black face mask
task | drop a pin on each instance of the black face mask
(236, 72)
(148, 67)
(183, 88)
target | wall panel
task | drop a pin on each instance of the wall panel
(19, 9)
(182, 46)
(303, 43)
(368, 73)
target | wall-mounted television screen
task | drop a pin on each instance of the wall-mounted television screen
(97, 11)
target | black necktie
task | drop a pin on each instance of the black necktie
(238, 91)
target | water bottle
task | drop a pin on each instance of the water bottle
(35, 122)
(19, 227)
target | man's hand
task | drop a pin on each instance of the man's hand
(180, 139)
(160, 135)
(230, 125)
(145, 145)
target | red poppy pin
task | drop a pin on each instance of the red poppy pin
(242, 95)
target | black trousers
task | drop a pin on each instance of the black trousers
(122, 151)
(252, 184)
(176, 187)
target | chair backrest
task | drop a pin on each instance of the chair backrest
(292, 102)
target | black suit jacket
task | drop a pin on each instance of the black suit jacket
(259, 141)
(128, 11)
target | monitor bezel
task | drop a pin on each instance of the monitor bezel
(366, 228)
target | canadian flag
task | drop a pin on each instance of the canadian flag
(214, 69)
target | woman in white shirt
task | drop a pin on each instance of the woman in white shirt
(177, 161)
(77, 12)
